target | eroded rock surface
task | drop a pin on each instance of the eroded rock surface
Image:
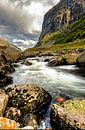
(69, 115)
(28, 98)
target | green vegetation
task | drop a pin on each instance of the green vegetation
(74, 106)
(68, 34)
(76, 45)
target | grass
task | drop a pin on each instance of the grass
(68, 34)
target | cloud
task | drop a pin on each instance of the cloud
(24, 15)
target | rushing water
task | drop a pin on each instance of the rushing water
(62, 80)
(66, 81)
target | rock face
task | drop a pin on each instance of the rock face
(3, 102)
(60, 16)
(69, 115)
(28, 98)
(5, 68)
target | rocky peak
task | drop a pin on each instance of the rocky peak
(64, 13)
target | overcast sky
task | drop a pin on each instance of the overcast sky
(25, 15)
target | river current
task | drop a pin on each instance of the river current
(58, 81)
(64, 81)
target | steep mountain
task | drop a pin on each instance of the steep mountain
(61, 16)
(68, 34)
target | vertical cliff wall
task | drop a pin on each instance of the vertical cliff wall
(61, 15)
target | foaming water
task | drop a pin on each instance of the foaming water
(57, 81)
(66, 81)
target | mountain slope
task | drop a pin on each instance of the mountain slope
(60, 16)
(11, 52)
(68, 34)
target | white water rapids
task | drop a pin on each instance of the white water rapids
(66, 81)
(57, 81)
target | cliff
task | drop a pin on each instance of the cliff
(61, 16)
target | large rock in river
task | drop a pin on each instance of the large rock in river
(69, 115)
(28, 98)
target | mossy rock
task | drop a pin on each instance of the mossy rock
(69, 116)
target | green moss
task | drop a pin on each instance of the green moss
(68, 34)
(77, 106)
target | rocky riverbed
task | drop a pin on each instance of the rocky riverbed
(60, 81)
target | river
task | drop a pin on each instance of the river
(65, 81)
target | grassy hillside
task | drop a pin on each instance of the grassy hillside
(68, 34)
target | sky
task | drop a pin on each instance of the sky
(23, 17)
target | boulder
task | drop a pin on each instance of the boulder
(7, 124)
(69, 115)
(57, 62)
(46, 60)
(6, 80)
(15, 65)
(28, 98)
(81, 59)
(54, 63)
(28, 63)
(3, 102)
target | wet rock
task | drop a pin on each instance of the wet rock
(3, 102)
(5, 68)
(53, 63)
(81, 60)
(7, 124)
(69, 115)
(15, 65)
(57, 62)
(28, 98)
(31, 121)
(6, 80)
(13, 113)
(28, 63)
(46, 60)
